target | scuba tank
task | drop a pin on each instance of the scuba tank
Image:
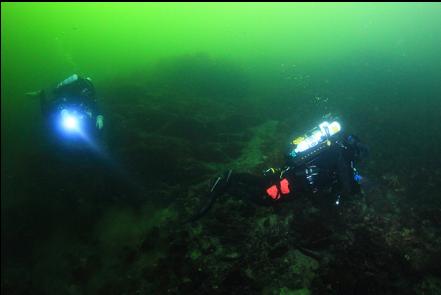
(306, 147)
(68, 80)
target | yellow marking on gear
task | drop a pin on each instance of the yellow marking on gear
(298, 140)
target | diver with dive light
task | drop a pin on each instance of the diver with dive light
(71, 109)
(322, 162)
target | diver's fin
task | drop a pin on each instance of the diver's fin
(218, 188)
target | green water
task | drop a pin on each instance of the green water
(184, 75)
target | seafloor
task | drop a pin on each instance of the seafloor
(113, 223)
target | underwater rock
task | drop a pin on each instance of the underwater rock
(252, 154)
(429, 285)
(302, 267)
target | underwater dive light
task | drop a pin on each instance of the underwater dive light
(72, 128)
(70, 121)
(317, 135)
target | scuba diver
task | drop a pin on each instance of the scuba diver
(320, 163)
(71, 109)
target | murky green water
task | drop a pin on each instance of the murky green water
(190, 89)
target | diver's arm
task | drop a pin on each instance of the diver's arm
(96, 111)
(94, 107)
(360, 149)
(99, 117)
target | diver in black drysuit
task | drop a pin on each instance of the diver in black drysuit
(73, 91)
(330, 173)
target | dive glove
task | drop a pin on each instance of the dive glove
(100, 122)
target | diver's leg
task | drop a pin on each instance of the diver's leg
(250, 187)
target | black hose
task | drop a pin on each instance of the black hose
(217, 189)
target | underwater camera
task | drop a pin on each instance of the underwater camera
(306, 147)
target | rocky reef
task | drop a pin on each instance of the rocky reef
(129, 237)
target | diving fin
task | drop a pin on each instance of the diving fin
(218, 188)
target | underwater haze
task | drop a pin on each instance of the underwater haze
(190, 90)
